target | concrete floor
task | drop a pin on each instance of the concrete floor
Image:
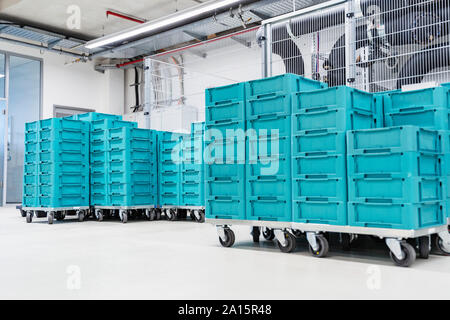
(183, 260)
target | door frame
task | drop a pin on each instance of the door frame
(8, 56)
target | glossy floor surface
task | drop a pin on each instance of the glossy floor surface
(183, 260)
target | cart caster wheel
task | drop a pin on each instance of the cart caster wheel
(23, 213)
(441, 247)
(346, 241)
(81, 216)
(50, 217)
(99, 215)
(192, 215)
(424, 247)
(256, 234)
(410, 256)
(173, 215)
(201, 217)
(158, 215)
(60, 216)
(29, 216)
(151, 215)
(290, 245)
(230, 238)
(124, 216)
(324, 247)
(268, 234)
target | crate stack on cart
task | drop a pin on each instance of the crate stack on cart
(320, 123)
(56, 174)
(193, 172)
(396, 182)
(170, 158)
(225, 155)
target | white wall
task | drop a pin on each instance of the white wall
(75, 85)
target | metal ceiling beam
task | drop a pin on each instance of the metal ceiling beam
(243, 42)
(194, 35)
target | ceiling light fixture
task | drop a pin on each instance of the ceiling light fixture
(161, 23)
(2, 76)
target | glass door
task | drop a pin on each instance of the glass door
(3, 107)
(24, 105)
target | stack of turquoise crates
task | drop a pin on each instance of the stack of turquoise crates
(132, 167)
(56, 164)
(225, 157)
(269, 145)
(170, 158)
(193, 168)
(395, 178)
(427, 108)
(320, 122)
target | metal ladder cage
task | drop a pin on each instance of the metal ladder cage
(180, 77)
(373, 45)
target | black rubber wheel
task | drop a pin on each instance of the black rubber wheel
(324, 247)
(158, 215)
(99, 215)
(440, 246)
(410, 256)
(256, 234)
(173, 215)
(424, 247)
(124, 217)
(268, 234)
(29, 216)
(230, 238)
(152, 215)
(50, 217)
(60, 216)
(346, 241)
(291, 243)
(81, 216)
(23, 213)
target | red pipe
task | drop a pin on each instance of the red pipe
(122, 16)
(128, 63)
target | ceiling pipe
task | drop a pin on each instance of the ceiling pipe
(36, 46)
(121, 65)
(123, 16)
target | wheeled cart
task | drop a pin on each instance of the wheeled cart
(402, 252)
(173, 213)
(124, 213)
(55, 213)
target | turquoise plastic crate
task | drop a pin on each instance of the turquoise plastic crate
(63, 179)
(100, 200)
(234, 92)
(446, 85)
(62, 135)
(31, 127)
(320, 163)
(284, 84)
(30, 202)
(107, 124)
(58, 124)
(333, 119)
(130, 177)
(435, 119)
(396, 188)
(30, 168)
(319, 141)
(269, 157)
(223, 207)
(58, 168)
(269, 125)
(65, 202)
(31, 147)
(226, 153)
(99, 188)
(224, 112)
(395, 139)
(131, 188)
(130, 155)
(432, 98)
(131, 200)
(31, 137)
(192, 199)
(94, 116)
(198, 129)
(98, 177)
(31, 179)
(61, 191)
(58, 146)
(321, 186)
(269, 208)
(193, 188)
(124, 165)
(397, 216)
(49, 156)
(266, 186)
(225, 130)
(269, 105)
(380, 100)
(319, 211)
(342, 97)
(380, 161)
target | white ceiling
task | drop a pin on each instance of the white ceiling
(94, 22)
